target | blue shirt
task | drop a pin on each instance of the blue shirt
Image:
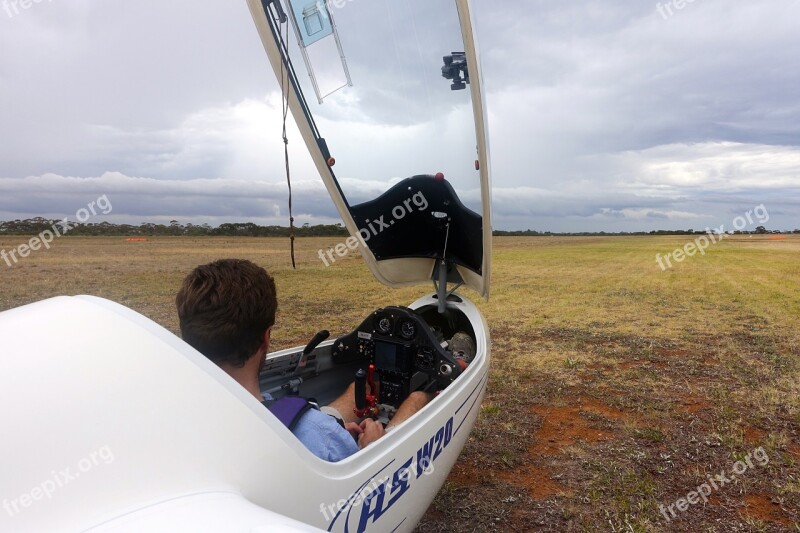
(324, 437)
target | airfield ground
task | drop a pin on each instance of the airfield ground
(616, 387)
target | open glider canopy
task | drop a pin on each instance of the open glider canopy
(389, 100)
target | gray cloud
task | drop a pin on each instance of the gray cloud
(602, 116)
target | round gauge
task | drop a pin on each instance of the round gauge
(385, 325)
(408, 329)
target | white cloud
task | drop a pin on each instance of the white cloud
(715, 166)
(644, 214)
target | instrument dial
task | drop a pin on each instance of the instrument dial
(385, 325)
(408, 329)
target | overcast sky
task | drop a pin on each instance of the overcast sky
(623, 115)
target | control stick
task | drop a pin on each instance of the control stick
(312, 344)
(361, 389)
(366, 404)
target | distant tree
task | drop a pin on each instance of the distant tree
(760, 230)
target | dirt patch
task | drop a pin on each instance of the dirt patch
(592, 406)
(463, 475)
(562, 427)
(714, 500)
(762, 508)
(567, 425)
(794, 450)
(673, 353)
(693, 404)
(754, 435)
(538, 480)
(626, 365)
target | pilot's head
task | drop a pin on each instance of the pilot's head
(226, 309)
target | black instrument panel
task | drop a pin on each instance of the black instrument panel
(407, 354)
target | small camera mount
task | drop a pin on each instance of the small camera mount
(455, 69)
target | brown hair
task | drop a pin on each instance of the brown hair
(225, 308)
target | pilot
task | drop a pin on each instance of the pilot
(226, 311)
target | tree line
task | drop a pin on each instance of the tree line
(760, 230)
(34, 226)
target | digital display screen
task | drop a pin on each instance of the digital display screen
(385, 355)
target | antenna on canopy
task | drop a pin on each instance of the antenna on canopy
(282, 21)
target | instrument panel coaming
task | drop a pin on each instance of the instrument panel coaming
(408, 354)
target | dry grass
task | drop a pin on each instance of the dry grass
(615, 388)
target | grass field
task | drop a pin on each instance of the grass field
(616, 388)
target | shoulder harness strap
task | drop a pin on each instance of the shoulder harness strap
(289, 409)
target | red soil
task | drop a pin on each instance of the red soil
(760, 507)
(561, 427)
